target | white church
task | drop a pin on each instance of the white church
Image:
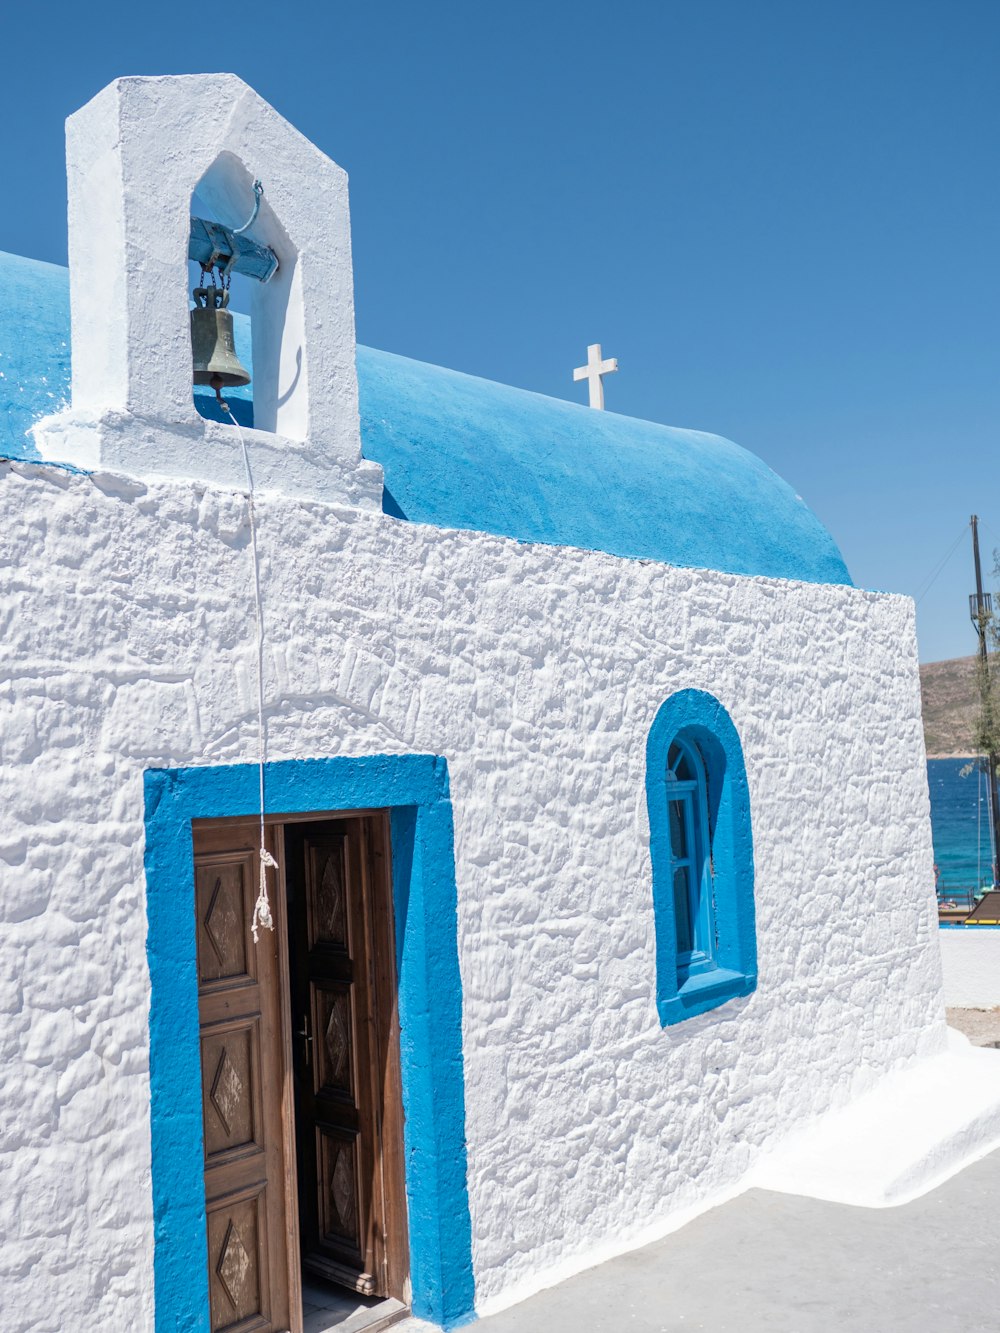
(450, 835)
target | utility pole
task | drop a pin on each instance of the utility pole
(981, 614)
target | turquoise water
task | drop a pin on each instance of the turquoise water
(959, 822)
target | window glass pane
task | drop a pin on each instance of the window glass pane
(680, 766)
(673, 754)
(682, 909)
(678, 830)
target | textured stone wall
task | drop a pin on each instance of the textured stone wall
(126, 642)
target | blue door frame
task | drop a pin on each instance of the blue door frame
(415, 790)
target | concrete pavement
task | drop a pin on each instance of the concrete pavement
(778, 1263)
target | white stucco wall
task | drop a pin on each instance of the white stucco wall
(970, 958)
(125, 642)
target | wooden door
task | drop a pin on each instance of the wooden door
(242, 1072)
(352, 1214)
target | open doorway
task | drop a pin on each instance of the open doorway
(347, 1102)
(301, 1097)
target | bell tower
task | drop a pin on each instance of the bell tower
(135, 155)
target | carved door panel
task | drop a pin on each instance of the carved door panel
(242, 1069)
(348, 1118)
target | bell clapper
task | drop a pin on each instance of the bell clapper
(216, 383)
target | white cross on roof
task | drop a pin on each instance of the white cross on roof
(592, 373)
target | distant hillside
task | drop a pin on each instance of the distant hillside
(948, 691)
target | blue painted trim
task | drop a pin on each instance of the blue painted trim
(43, 463)
(963, 925)
(415, 789)
(697, 717)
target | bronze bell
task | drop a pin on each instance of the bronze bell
(212, 345)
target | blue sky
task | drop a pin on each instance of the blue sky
(781, 217)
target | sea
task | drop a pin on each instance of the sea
(959, 824)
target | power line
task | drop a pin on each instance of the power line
(929, 582)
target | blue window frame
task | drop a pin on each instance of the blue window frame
(701, 850)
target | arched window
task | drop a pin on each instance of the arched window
(702, 857)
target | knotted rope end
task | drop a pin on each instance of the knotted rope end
(262, 907)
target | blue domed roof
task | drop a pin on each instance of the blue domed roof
(462, 452)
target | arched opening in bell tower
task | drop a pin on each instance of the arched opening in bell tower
(248, 347)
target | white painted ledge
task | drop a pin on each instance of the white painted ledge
(206, 451)
(970, 959)
(913, 1131)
